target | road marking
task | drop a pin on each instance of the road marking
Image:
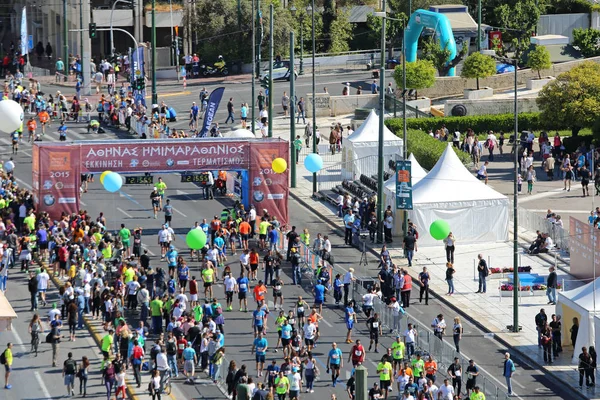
(82, 203)
(517, 383)
(538, 196)
(180, 213)
(27, 185)
(149, 251)
(326, 323)
(185, 194)
(45, 391)
(124, 212)
(172, 94)
(38, 377)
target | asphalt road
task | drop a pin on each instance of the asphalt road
(181, 99)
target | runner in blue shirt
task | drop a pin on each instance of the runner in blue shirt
(286, 338)
(194, 116)
(243, 284)
(273, 237)
(260, 345)
(319, 292)
(190, 360)
(272, 371)
(184, 275)
(258, 321)
(172, 259)
(350, 318)
(334, 363)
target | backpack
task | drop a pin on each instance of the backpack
(3, 358)
(70, 367)
(171, 347)
(154, 351)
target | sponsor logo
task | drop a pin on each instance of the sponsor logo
(258, 196)
(49, 200)
(257, 181)
(47, 184)
(275, 196)
(170, 162)
(134, 162)
(67, 200)
(183, 162)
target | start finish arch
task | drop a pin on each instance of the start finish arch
(421, 19)
(57, 167)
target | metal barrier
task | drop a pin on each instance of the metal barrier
(334, 175)
(442, 352)
(534, 222)
(394, 104)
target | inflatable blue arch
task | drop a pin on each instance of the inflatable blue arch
(428, 19)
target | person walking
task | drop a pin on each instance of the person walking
(230, 111)
(584, 367)
(449, 243)
(546, 338)
(551, 285)
(530, 177)
(450, 278)
(567, 176)
(457, 331)
(7, 358)
(68, 373)
(483, 272)
(508, 370)
(82, 374)
(300, 106)
(585, 174)
(424, 278)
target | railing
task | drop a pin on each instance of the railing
(426, 342)
(534, 222)
(393, 104)
(333, 175)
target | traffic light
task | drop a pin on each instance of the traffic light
(92, 30)
(265, 83)
(139, 84)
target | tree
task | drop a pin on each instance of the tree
(572, 99)
(340, 33)
(588, 41)
(440, 56)
(521, 19)
(477, 66)
(419, 75)
(539, 59)
(393, 30)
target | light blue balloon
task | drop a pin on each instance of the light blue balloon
(313, 162)
(113, 182)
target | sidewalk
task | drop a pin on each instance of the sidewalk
(492, 312)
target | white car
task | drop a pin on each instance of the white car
(281, 71)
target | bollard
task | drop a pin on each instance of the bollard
(562, 288)
(362, 388)
(489, 262)
(474, 270)
(500, 290)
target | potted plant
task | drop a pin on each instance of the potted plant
(477, 66)
(539, 59)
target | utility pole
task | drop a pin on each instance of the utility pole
(81, 35)
(516, 283)
(292, 111)
(154, 94)
(270, 83)
(479, 26)
(260, 36)
(404, 128)
(86, 53)
(253, 68)
(65, 37)
(314, 90)
(380, 164)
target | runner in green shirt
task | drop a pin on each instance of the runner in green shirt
(107, 342)
(297, 147)
(418, 366)
(282, 384)
(263, 227)
(125, 235)
(160, 188)
(398, 348)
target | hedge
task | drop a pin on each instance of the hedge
(426, 149)
(481, 124)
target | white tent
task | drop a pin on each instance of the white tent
(475, 211)
(239, 133)
(416, 174)
(363, 143)
(579, 303)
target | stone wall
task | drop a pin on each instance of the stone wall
(492, 106)
(331, 106)
(452, 86)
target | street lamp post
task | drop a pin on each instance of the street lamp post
(311, 9)
(112, 11)
(253, 113)
(293, 10)
(270, 82)
(154, 94)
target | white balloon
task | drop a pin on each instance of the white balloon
(11, 116)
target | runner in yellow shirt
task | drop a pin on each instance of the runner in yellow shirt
(282, 384)
(160, 188)
(384, 369)
(476, 394)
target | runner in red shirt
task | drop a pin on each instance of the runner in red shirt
(357, 354)
(193, 292)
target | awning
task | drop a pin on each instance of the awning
(7, 314)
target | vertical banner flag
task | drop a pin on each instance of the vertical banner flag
(137, 67)
(24, 32)
(403, 185)
(211, 110)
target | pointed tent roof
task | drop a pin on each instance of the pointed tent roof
(416, 173)
(450, 181)
(583, 296)
(240, 133)
(368, 133)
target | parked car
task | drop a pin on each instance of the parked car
(281, 71)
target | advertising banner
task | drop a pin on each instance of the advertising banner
(269, 190)
(58, 180)
(583, 241)
(164, 156)
(24, 45)
(403, 186)
(211, 110)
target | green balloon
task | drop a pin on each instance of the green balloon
(195, 239)
(439, 229)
